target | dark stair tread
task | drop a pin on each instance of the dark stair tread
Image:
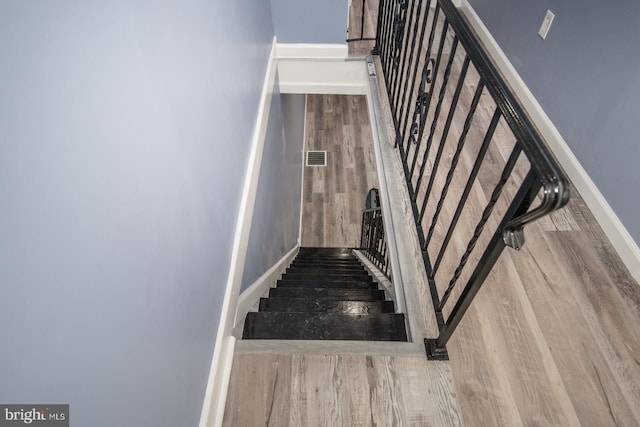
(329, 293)
(327, 256)
(328, 277)
(323, 326)
(351, 271)
(350, 284)
(325, 306)
(329, 265)
(310, 249)
(326, 267)
(326, 260)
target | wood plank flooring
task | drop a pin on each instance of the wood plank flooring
(553, 338)
(334, 195)
(340, 390)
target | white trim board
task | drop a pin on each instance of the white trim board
(217, 385)
(304, 149)
(250, 298)
(338, 52)
(319, 69)
(620, 238)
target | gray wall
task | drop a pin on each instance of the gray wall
(586, 76)
(276, 220)
(124, 137)
(310, 21)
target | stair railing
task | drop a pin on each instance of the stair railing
(361, 37)
(373, 241)
(476, 168)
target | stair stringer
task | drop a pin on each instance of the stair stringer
(250, 298)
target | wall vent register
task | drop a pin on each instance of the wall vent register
(316, 158)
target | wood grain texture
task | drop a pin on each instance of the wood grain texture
(334, 195)
(553, 336)
(340, 390)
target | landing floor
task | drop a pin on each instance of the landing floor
(553, 338)
(340, 390)
(334, 195)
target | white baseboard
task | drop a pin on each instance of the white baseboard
(312, 51)
(251, 296)
(319, 69)
(620, 238)
(215, 395)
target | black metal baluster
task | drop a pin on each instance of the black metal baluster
(386, 39)
(497, 191)
(520, 204)
(420, 110)
(399, 27)
(424, 98)
(376, 47)
(456, 156)
(467, 189)
(445, 131)
(463, 136)
(410, 36)
(391, 12)
(362, 230)
(430, 96)
(415, 54)
(364, 7)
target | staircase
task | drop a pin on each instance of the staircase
(325, 294)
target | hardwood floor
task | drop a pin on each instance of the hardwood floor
(553, 337)
(341, 383)
(340, 390)
(334, 195)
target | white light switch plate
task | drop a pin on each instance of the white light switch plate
(546, 24)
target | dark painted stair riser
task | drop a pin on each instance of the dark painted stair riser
(325, 326)
(307, 305)
(325, 284)
(325, 294)
(329, 293)
(328, 277)
(326, 273)
(326, 268)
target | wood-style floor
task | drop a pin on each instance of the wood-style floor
(338, 383)
(334, 195)
(339, 390)
(553, 338)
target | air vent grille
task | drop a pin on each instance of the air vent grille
(316, 158)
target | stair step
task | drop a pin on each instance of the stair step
(328, 277)
(326, 306)
(323, 326)
(324, 264)
(327, 261)
(361, 272)
(329, 293)
(321, 283)
(333, 257)
(325, 251)
(304, 267)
